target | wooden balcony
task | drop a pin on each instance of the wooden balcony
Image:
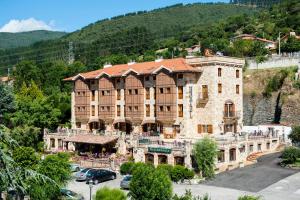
(231, 116)
(201, 102)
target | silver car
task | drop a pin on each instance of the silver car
(125, 182)
(81, 175)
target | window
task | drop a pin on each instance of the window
(154, 110)
(83, 108)
(107, 92)
(136, 91)
(102, 108)
(237, 89)
(83, 93)
(78, 109)
(147, 78)
(93, 95)
(78, 124)
(251, 147)
(52, 141)
(129, 108)
(203, 128)
(180, 92)
(92, 82)
(108, 108)
(168, 108)
(219, 88)
(219, 72)
(136, 108)
(102, 92)
(78, 93)
(118, 80)
(118, 110)
(168, 90)
(130, 92)
(154, 78)
(237, 73)
(118, 94)
(221, 156)
(259, 147)
(93, 110)
(147, 110)
(161, 108)
(180, 110)
(232, 155)
(161, 90)
(204, 92)
(147, 93)
(180, 76)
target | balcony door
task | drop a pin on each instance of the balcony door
(229, 109)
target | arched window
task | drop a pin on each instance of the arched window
(229, 109)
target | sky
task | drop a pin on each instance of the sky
(70, 15)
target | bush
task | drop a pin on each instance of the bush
(188, 196)
(290, 155)
(248, 197)
(149, 183)
(106, 193)
(178, 173)
(126, 168)
(26, 157)
(166, 168)
(188, 174)
(295, 135)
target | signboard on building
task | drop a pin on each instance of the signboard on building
(159, 150)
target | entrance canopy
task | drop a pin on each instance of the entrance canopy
(91, 139)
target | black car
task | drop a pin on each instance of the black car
(100, 175)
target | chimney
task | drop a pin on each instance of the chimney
(159, 59)
(131, 62)
(106, 65)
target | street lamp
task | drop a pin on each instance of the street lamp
(91, 187)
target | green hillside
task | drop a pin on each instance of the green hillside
(258, 3)
(13, 40)
(169, 20)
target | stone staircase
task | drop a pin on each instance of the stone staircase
(252, 157)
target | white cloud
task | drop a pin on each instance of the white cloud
(29, 24)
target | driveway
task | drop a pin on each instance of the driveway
(253, 178)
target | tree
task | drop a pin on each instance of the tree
(34, 109)
(27, 136)
(25, 157)
(7, 103)
(295, 135)
(149, 183)
(290, 155)
(205, 152)
(106, 193)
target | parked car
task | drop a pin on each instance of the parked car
(75, 167)
(70, 195)
(125, 182)
(100, 175)
(81, 175)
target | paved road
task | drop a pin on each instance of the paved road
(255, 177)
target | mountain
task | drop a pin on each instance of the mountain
(168, 20)
(14, 40)
(129, 34)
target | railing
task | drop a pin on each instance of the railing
(231, 114)
(157, 142)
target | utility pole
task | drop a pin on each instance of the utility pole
(279, 50)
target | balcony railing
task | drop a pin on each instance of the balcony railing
(231, 114)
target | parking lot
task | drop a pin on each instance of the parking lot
(265, 179)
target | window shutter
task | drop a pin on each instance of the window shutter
(209, 129)
(200, 128)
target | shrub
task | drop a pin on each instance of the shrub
(205, 152)
(290, 154)
(149, 183)
(166, 168)
(188, 174)
(295, 134)
(188, 196)
(126, 168)
(106, 193)
(178, 173)
(248, 197)
(26, 157)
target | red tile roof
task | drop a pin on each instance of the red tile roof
(91, 139)
(174, 65)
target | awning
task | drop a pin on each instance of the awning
(91, 139)
(121, 120)
(148, 121)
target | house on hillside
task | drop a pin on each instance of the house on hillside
(291, 34)
(6, 80)
(269, 44)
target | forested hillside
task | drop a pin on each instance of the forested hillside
(13, 40)
(132, 34)
(258, 3)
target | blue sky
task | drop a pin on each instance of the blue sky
(70, 15)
